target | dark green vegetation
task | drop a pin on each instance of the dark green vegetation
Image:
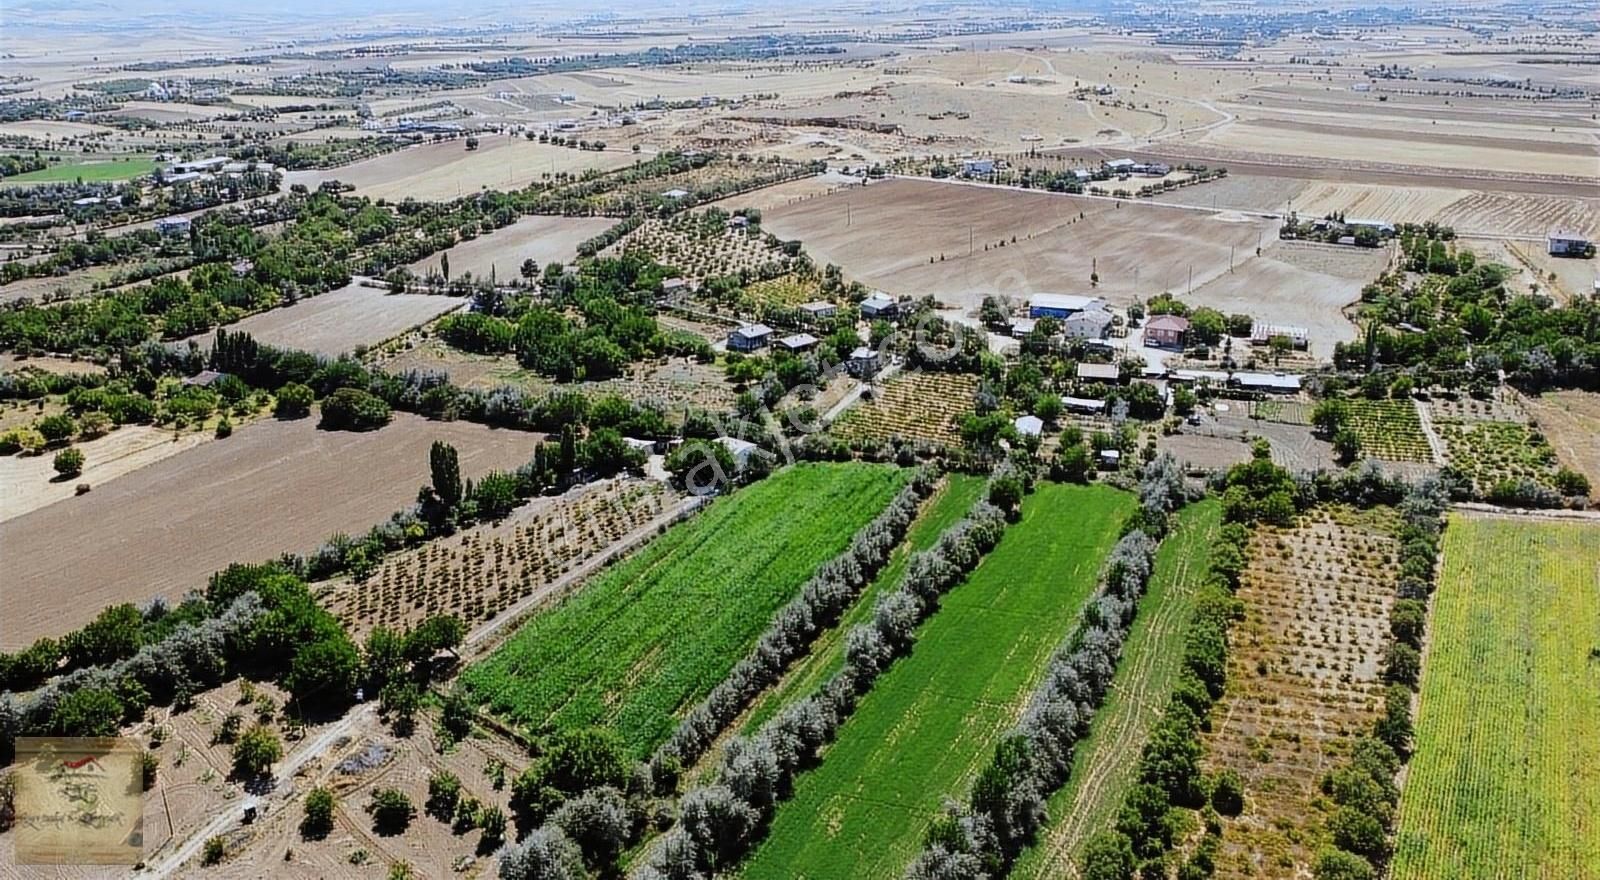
(653, 634)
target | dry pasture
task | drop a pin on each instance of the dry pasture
(341, 320)
(544, 239)
(29, 482)
(271, 488)
(1570, 421)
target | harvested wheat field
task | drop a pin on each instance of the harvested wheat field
(273, 487)
(341, 320)
(540, 238)
(960, 242)
(446, 170)
(1304, 680)
(1570, 421)
(29, 482)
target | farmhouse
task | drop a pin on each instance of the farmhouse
(1382, 227)
(1083, 405)
(863, 363)
(879, 305)
(1566, 243)
(173, 225)
(1088, 324)
(741, 450)
(750, 337)
(1029, 426)
(798, 342)
(1166, 331)
(1120, 166)
(1271, 383)
(970, 167)
(1059, 305)
(1099, 373)
(1262, 334)
(817, 311)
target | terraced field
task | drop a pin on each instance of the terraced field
(1505, 781)
(1106, 761)
(656, 632)
(929, 724)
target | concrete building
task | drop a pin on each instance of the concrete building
(863, 363)
(1088, 324)
(1566, 243)
(750, 337)
(798, 343)
(1060, 305)
(1166, 331)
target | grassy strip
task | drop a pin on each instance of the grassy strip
(89, 172)
(655, 633)
(932, 719)
(807, 676)
(1105, 764)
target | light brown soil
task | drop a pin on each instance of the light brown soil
(1570, 420)
(273, 487)
(341, 320)
(29, 482)
(543, 239)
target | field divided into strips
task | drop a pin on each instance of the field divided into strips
(1105, 763)
(1505, 779)
(806, 677)
(652, 635)
(932, 720)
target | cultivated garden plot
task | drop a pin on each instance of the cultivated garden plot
(650, 636)
(914, 405)
(785, 290)
(1287, 412)
(273, 487)
(931, 721)
(1465, 409)
(701, 246)
(1304, 680)
(1106, 762)
(479, 573)
(1389, 429)
(1505, 780)
(1491, 453)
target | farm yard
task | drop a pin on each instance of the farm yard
(1303, 680)
(957, 241)
(340, 321)
(543, 239)
(1505, 780)
(914, 405)
(274, 487)
(654, 633)
(932, 719)
(1106, 761)
(479, 573)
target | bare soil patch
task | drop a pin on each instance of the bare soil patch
(540, 238)
(341, 320)
(271, 488)
(1570, 421)
(29, 482)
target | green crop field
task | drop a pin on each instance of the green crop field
(652, 635)
(931, 721)
(90, 172)
(1389, 429)
(827, 653)
(1104, 764)
(1505, 779)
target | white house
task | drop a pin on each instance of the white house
(819, 310)
(879, 305)
(750, 337)
(1088, 324)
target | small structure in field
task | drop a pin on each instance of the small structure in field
(173, 225)
(741, 450)
(1567, 243)
(1166, 331)
(750, 337)
(1021, 327)
(1109, 459)
(1083, 405)
(971, 167)
(205, 378)
(1270, 383)
(675, 194)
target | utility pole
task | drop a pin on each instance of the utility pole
(969, 239)
(1191, 279)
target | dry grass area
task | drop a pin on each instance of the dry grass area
(1570, 421)
(544, 239)
(1303, 679)
(479, 573)
(674, 383)
(913, 405)
(342, 320)
(29, 482)
(959, 242)
(273, 487)
(787, 193)
(446, 170)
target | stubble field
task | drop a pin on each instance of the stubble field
(543, 239)
(342, 320)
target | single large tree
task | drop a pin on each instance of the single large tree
(445, 465)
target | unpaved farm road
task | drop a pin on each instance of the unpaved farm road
(233, 815)
(1208, 209)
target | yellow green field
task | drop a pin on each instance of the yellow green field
(1505, 779)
